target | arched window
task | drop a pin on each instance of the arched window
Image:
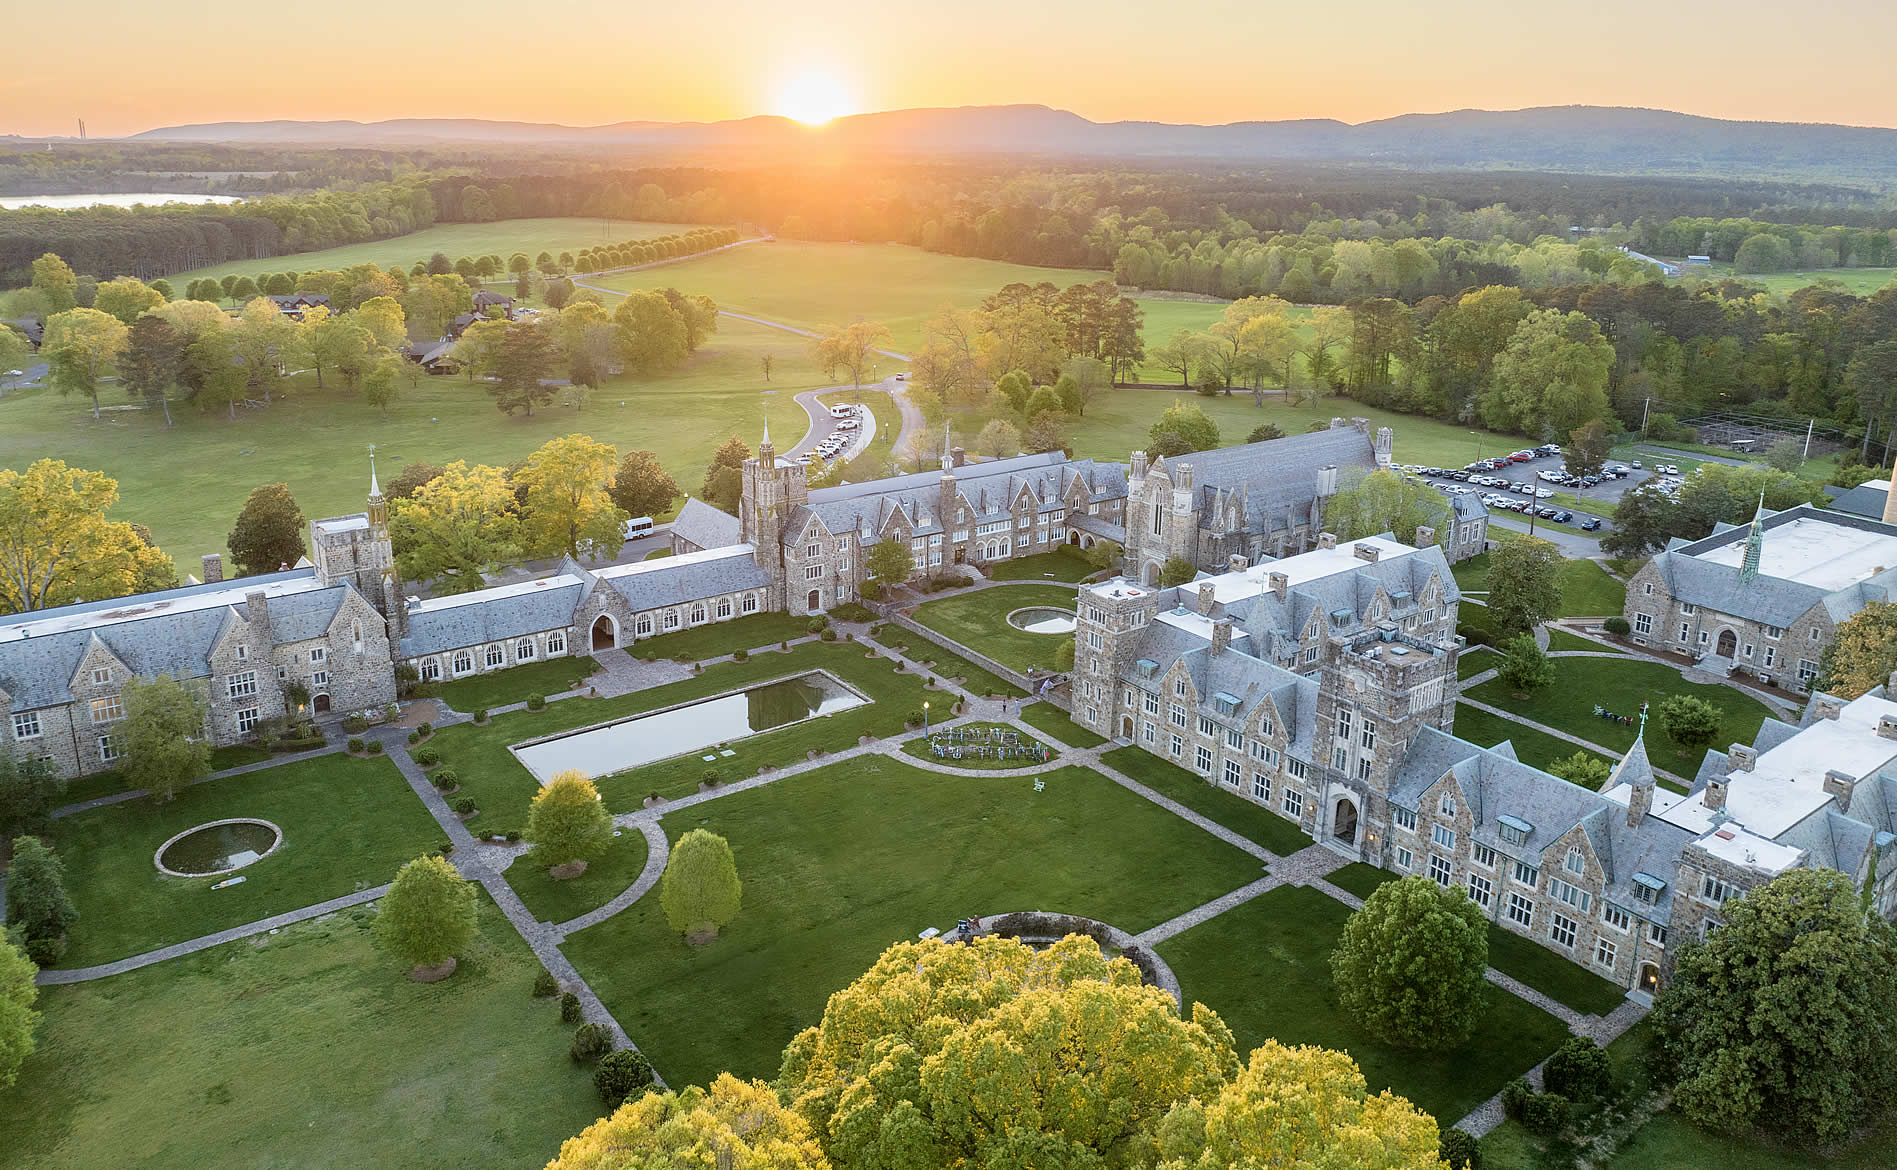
(556, 643)
(698, 614)
(431, 669)
(463, 662)
(355, 635)
(524, 649)
(724, 607)
(496, 656)
(1447, 805)
(1575, 862)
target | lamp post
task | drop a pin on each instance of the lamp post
(925, 719)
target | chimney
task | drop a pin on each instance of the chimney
(1327, 480)
(1327, 540)
(1828, 707)
(1221, 635)
(213, 567)
(1425, 536)
(1236, 563)
(958, 456)
(1742, 757)
(1715, 797)
(1887, 727)
(1639, 803)
(1280, 584)
(257, 613)
(1362, 425)
(1365, 551)
(1840, 785)
(1206, 597)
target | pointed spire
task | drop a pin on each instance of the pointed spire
(766, 441)
(1755, 545)
(1634, 769)
(375, 488)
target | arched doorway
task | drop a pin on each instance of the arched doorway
(1344, 820)
(320, 703)
(1728, 644)
(816, 600)
(1126, 727)
(605, 633)
(1649, 978)
(1152, 573)
(1073, 537)
(961, 555)
(1087, 543)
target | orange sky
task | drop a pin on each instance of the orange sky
(133, 66)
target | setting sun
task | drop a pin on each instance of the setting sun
(814, 98)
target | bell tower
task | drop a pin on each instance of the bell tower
(358, 549)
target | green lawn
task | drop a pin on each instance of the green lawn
(1562, 640)
(1282, 990)
(972, 758)
(1537, 749)
(976, 680)
(979, 620)
(606, 877)
(1475, 660)
(1056, 722)
(1253, 822)
(1861, 281)
(1622, 684)
(718, 639)
(307, 1048)
(501, 238)
(1058, 566)
(1587, 590)
(347, 824)
(502, 788)
(501, 687)
(831, 879)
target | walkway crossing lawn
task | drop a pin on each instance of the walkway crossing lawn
(919, 748)
(1537, 749)
(1051, 719)
(308, 1048)
(839, 863)
(1265, 967)
(501, 787)
(721, 638)
(606, 877)
(1058, 566)
(1562, 640)
(1622, 684)
(502, 687)
(347, 823)
(945, 663)
(1253, 822)
(1475, 660)
(979, 621)
(1510, 953)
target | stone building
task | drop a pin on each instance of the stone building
(1765, 598)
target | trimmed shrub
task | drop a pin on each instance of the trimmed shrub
(511, 836)
(447, 778)
(426, 729)
(355, 743)
(818, 624)
(464, 806)
(913, 718)
(711, 776)
(828, 634)
(373, 747)
(45, 952)
(1616, 625)
(1578, 1070)
(1473, 636)
(569, 1008)
(427, 757)
(414, 737)
(850, 611)
(545, 985)
(741, 656)
(1460, 1149)
(1514, 1094)
(590, 1042)
(1545, 1114)
(620, 1075)
(355, 724)
(481, 715)
(536, 702)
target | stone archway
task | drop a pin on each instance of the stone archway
(1073, 537)
(1728, 644)
(1649, 978)
(816, 600)
(319, 704)
(1151, 575)
(1344, 820)
(605, 633)
(1126, 727)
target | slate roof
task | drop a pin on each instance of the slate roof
(1267, 617)
(1774, 601)
(1860, 501)
(990, 488)
(31, 327)
(491, 615)
(705, 526)
(1276, 480)
(691, 577)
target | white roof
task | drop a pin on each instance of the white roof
(1813, 551)
(1195, 623)
(1310, 566)
(28, 625)
(344, 523)
(498, 592)
(702, 556)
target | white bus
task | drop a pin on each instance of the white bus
(638, 526)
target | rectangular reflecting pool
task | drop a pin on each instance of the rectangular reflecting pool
(690, 727)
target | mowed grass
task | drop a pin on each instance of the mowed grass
(187, 484)
(1282, 990)
(831, 879)
(1537, 749)
(1253, 822)
(1056, 722)
(720, 638)
(501, 687)
(1166, 317)
(1055, 566)
(309, 1048)
(606, 877)
(1859, 281)
(1581, 683)
(944, 663)
(501, 238)
(1587, 589)
(347, 824)
(979, 620)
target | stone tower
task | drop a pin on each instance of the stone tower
(357, 549)
(1108, 622)
(769, 489)
(1162, 520)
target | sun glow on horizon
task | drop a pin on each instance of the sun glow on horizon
(814, 98)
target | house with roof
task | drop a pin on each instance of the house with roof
(1766, 598)
(293, 305)
(699, 526)
(31, 328)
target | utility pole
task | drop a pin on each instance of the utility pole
(1643, 416)
(1809, 425)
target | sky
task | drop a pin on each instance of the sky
(134, 65)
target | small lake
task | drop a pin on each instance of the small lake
(694, 727)
(68, 202)
(1042, 620)
(219, 848)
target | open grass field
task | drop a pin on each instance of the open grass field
(1282, 990)
(979, 620)
(1053, 566)
(1622, 686)
(1166, 317)
(1055, 722)
(187, 484)
(1253, 822)
(347, 823)
(307, 1048)
(1562, 640)
(1587, 590)
(839, 863)
(501, 687)
(1860, 281)
(501, 238)
(606, 877)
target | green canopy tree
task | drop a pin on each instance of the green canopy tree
(1189, 423)
(568, 825)
(1176, 571)
(1524, 585)
(569, 510)
(700, 891)
(1582, 768)
(1689, 721)
(889, 563)
(1524, 667)
(268, 534)
(427, 917)
(162, 737)
(1863, 654)
(56, 546)
(458, 526)
(154, 353)
(29, 791)
(80, 345)
(56, 282)
(641, 486)
(17, 1017)
(36, 900)
(1384, 501)
(1410, 964)
(732, 1123)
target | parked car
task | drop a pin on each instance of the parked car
(1637, 465)
(1543, 494)
(1563, 516)
(1590, 524)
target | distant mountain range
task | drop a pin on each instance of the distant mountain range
(1551, 137)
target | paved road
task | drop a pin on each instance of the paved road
(1571, 544)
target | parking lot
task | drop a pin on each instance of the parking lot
(1502, 491)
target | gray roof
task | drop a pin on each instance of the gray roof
(1773, 601)
(990, 489)
(705, 526)
(1859, 501)
(1403, 579)
(491, 615)
(676, 580)
(1276, 480)
(1468, 506)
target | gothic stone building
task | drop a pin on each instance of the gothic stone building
(1323, 686)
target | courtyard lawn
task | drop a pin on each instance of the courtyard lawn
(971, 754)
(1059, 566)
(1562, 640)
(502, 788)
(1622, 684)
(1540, 968)
(606, 877)
(1253, 822)
(979, 620)
(1537, 749)
(839, 863)
(1282, 990)
(188, 483)
(1475, 660)
(236, 755)
(718, 639)
(1587, 590)
(976, 680)
(502, 238)
(1056, 722)
(501, 687)
(347, 824)
(307, 1048)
